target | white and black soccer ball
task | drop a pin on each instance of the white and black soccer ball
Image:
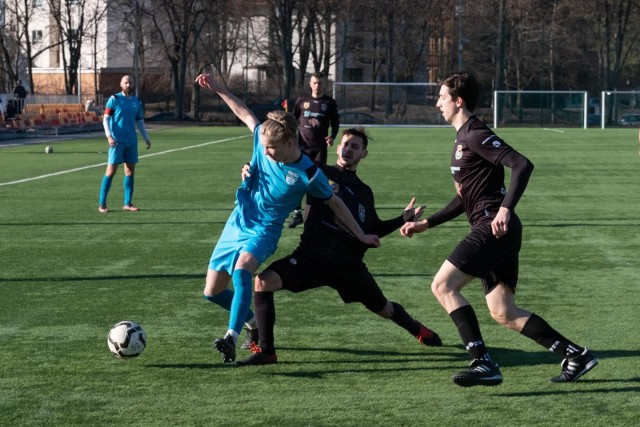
(48, 149)
(127, 339)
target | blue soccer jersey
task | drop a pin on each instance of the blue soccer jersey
(275, 189)
(124, 112)
(263, 202)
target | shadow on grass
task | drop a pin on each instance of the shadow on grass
(571, 388)
(379, 361)
(188, 366)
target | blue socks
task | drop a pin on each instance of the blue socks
(104, 189)
(106, 186)
(241, 300)
(128, 189)
(225, 299)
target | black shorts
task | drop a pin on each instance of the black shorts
(353, 282)
(492, 260)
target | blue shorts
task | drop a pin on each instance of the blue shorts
(236, 239)
(123, 153)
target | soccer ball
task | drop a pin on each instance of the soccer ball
(48, 149)
(127, 339)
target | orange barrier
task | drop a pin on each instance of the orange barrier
(45, 118)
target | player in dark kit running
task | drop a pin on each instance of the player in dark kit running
(490, 251)
(315, 112)
(328, 255)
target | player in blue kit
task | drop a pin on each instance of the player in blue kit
(122, 113)
(280, 176)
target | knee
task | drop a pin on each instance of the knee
(267, 281)
(260, 284)
(439, 289)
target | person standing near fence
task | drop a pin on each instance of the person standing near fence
(491, 250)
(21, 94)
(122, 112)
(315, 112)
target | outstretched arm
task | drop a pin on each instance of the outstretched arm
(238, 107)
(452, 210)
(409, 214)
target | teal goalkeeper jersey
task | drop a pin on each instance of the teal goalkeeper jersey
(124, 112)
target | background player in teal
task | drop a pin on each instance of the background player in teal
(280, 176)
(123, 111)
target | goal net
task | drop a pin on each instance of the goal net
(387, 104)
(512, 108)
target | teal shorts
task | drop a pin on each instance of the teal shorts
(123, 153)
(236, 239)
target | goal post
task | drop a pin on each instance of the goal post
(620, 108)
(387, 104)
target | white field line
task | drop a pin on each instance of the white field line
(49, 175)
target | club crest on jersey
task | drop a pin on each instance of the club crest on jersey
(361, 212)
(306, 105)
(323, 108)
(293, 261)
(335, 186)
(291, 177)
(459, 152)
(494, 141)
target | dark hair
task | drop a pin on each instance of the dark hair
(359, 131)
(463, 84)
(318, 75)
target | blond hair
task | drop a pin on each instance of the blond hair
(280, 125)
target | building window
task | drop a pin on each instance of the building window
(155, 38)
(36, 36)
(36, 3)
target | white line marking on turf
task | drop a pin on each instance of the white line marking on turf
(49, 175)
(554, 130)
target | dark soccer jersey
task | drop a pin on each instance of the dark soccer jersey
(324, 237)
(476, 170)
(315, 115)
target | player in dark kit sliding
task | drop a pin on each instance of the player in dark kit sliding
(491, 250)
(328, 255)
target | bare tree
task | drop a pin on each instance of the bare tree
(317, 35)
(615, 38)
(177, 22)
(96, 15)
(18, 49)
(282, 12)
(68, 16)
